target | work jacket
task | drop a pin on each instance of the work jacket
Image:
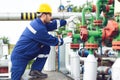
(34, 39)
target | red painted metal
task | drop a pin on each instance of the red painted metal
(110, 30)
(74, 46)
(91, 46)
(83, 33)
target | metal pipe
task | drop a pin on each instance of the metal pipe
(98, 9)
(104, 70)
(90, 65)
(116, 69)
(76, 37)
(31, 15)
(84, 10)
(75, 65)
(95, 33)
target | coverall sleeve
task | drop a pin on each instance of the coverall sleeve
(54, 24)
(44, 37)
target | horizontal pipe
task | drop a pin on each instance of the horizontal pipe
(104, 70)
(31, 15)
(113, 59)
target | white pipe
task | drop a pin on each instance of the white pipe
(116, 70)
(61, 57)
(75, 66)
(1, 48)
(72, 61)
(67, 57)
(116, 6)
(103, 70)
(65, 15)
(9, 67)
(5, 49)
(90, 68)
(50, 63)
(31, 15)
(10, 16)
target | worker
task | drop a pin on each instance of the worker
(34, 43)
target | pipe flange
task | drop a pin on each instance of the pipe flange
(83, 26)
(97, 22)
(74, 46)
(91, 46)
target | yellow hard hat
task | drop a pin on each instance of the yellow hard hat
(44, 8)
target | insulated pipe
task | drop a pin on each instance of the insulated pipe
(116, 68)
(50, 62)
(75, 65)
(90, 68)
(116, 65)
(104, 70)
(67, 57)
(31, 15)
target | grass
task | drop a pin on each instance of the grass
(10, 48)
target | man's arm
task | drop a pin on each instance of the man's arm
(44, 37)
(55, 24)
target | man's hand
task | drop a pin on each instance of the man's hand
(60, 41)
(71, 19)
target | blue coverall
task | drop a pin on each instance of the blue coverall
(35, 40)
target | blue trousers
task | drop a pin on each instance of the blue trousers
(19, 64)
(39, 63)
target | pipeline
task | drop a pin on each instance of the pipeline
(31, 15)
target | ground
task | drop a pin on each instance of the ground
(52, 75)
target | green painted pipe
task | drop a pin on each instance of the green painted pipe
(76, 37)
(98, 4)
(105, 1)
(118, 54)
(91, 39)
(117, 18)
(83, 14)
(109, 14)
(111, 11)
(91, 18)
(97, 33)
(119, 27)
(91, 51)
(117, 38)
(64, 33)
(105, 20)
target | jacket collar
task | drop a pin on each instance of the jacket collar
(39, 21)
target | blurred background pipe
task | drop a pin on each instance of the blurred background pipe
(31, 15)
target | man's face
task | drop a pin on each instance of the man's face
(48, 18)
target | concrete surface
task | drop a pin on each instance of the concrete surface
(52, 75)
